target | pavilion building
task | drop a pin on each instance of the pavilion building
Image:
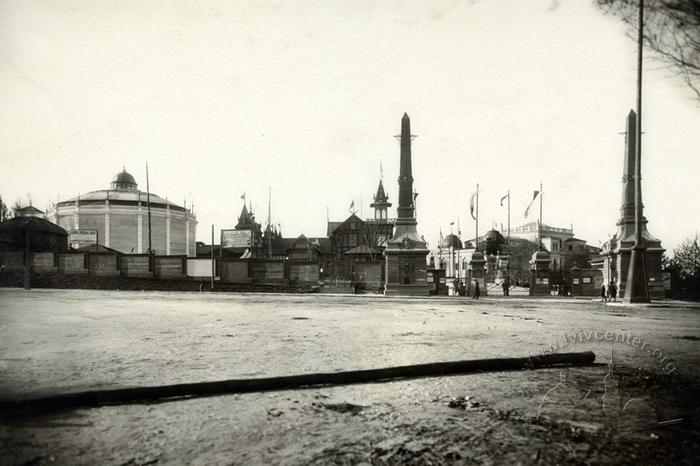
(120, 216)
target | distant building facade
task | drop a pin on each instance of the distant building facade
(565, 250)
(120, 217)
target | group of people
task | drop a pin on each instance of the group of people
(609, 293)
(476, 289)
(463, 291)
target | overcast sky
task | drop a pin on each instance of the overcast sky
(222, 97)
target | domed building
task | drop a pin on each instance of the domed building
(495, 242)
(452, 256)
(120, 216)
(451, 241)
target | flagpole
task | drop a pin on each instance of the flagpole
(148, 204)
(509, 228)
(476, 238)
(636, 286)
(539, 228)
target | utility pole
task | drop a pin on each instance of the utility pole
(27, 258)
(539, 227)
(148, 204)
(636, 290)
(476, 238)
(508, 228)
(213, 267)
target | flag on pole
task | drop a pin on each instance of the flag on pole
(381, 171)
(504, 198)
(243, 196)
(472, 205)
(534, 196)
(352, 206)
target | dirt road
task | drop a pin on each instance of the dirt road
(56, 341)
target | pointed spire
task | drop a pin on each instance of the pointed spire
(628, 174)
(406, 209)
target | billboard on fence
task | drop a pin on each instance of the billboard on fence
(82, 237)
(235, 238)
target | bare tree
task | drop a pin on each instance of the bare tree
(370, 237)
(4, 211)
(672, 31)
(16, 206)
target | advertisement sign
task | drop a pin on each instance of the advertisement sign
(82, 237)
(235, 238)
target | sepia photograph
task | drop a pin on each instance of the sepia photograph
(349, 232)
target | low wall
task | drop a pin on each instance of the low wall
(234, 271)
(136, 265)
(169, 266)
(103, 264)
(72, 263)
(12, 259)
(368, 275)
(15, 279)
(304, 273)
(275, 271)
(199, 268)
(43, 261)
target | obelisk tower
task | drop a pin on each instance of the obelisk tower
(620, 248)
(406, 267)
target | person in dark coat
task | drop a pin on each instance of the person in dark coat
(477, 292)
(462, 288)
(602, 293)
(613, 291)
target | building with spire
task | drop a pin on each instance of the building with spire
(120, 216)
(406, 251)
(357, 245)
(617, 251)
(381, 203)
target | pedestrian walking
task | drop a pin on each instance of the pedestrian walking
(613, 291)
(462, 288)
(602, 293)
(477, 292)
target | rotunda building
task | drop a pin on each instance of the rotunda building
(120, 216)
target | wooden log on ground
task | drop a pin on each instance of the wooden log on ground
(201, 389)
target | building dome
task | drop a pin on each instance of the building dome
(124, 180)
(129, 220)
(478, 256)
(451, 241)
(494, 235)
(494, 241)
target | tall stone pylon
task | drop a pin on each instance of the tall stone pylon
(406, 251)
(617, 252)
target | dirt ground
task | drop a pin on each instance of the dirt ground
(639, 408)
